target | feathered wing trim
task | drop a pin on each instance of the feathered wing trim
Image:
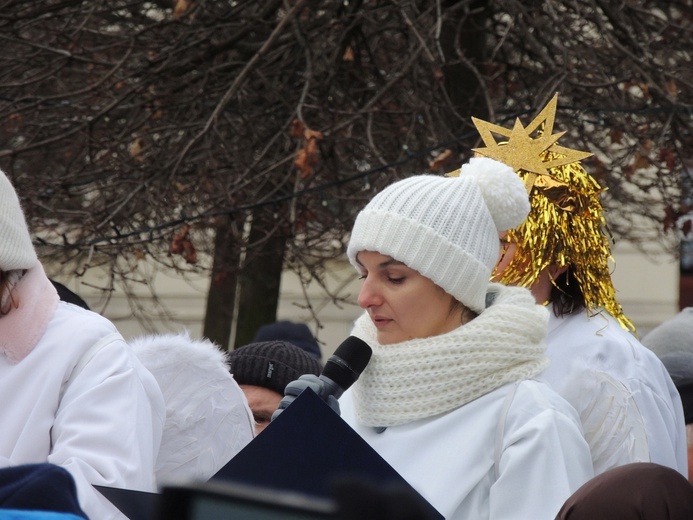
(208, 420)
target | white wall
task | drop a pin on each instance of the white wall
(647, 287)
(183, 304)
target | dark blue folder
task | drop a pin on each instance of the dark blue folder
(307, 450)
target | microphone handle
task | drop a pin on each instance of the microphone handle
(331, 388)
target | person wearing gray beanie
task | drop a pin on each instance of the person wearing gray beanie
(74, 393)
(447, 398)
(296, 333)
(672, 343)
(673, 335)
(263, 369)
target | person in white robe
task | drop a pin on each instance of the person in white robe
(628, 405)
(448, 397)
(73, 392)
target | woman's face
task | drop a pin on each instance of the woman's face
(541, 288)
(402, 303)
(505, 256)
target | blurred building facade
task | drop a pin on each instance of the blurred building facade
(648, 288)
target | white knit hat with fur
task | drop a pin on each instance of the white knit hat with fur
(16, 249)
(445, 228)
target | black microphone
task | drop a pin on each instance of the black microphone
(344, 367)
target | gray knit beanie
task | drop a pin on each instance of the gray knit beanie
(16, 251)
(672, 335)
(296, 333)
(271, 364)
(445, 228)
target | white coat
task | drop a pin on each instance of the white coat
(514, 453)
(628, 405)
(81, 400)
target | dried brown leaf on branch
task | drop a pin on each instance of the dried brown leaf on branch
(181, 7)
(307, 157)
(673, 221)
(668, 157)
(443, 160)
(135, 149)
(181, 244)
(296, 128)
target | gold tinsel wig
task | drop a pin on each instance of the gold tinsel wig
(566, 225)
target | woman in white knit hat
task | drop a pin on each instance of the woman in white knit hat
(447, 398)
(72, 392)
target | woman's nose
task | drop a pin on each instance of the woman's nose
(368, 296)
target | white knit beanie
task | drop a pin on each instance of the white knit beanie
(16, 249)
(445, 228)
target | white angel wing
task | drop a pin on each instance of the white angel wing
(208, 420)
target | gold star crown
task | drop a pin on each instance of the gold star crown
(533, 155)
(565, 226)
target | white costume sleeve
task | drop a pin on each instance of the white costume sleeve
(611, 420)
(663, 418)
(107, 429)
(544, 452)
(629, 407)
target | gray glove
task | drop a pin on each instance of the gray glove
(296, 387)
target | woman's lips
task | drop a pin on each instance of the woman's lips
(380, 321)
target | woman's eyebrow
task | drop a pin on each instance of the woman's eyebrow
(390, 262)
(386, 263)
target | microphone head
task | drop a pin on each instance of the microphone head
(346, 364)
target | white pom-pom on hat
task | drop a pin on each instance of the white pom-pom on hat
(504, 192)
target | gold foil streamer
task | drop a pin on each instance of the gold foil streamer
(566, 225)
(560, 194)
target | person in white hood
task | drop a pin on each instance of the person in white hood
(73, 392)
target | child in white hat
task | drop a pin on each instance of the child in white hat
(73, 393)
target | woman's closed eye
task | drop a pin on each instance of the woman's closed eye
(390, 278)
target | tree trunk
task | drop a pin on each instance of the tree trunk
(222, 288)
(463, 35)
(259, 282)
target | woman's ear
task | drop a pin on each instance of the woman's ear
(556, 271)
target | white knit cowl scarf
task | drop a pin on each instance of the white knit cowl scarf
(420, 378)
